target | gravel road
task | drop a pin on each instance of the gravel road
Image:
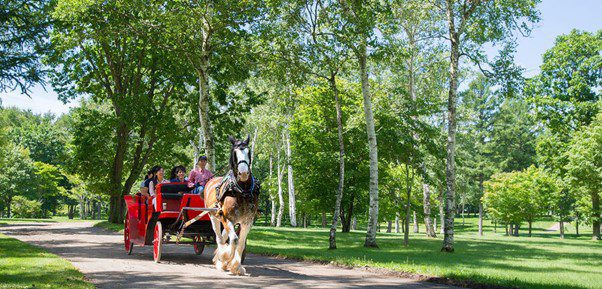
(99, 254)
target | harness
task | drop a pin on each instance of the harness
(229, 186)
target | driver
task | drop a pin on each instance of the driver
(199, 176)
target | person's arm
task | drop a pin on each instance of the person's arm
(151, 188)
(191, 179)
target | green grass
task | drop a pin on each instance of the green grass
(110, 226)
(26, 266)
(54, 219)
(542, 261)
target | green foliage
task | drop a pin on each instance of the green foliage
(24, 27)
(519, 196)
(567, 89)
(17, 171)
(26, 208)
(584, 167)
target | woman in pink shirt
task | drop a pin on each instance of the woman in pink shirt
(199, 176)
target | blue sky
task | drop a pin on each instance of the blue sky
(558, 17)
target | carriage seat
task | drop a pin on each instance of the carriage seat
(171, 191)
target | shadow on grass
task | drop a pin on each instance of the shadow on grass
(507, 262)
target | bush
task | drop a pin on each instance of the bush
(25, 208)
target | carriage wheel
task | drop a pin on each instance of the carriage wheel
(158, 242)
(198, 246)
(126, 235)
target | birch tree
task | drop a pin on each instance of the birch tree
(469, 25)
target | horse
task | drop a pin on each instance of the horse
(236, 197)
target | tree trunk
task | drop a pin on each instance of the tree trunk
(480, 218)
(463, 220)
(511, 232)
(272, 198)
(415, 220)
(347, 222)
(354, 223)
(406, 232)
(561, 229)
(292, 208)
(577, 225)
(116, 205)
(441, 213)
(339, 197)
(8, 207)
(204, 102)
(280, 198)
(530, 224)
(450, 169)
(397, 223)
(403, 226)
(99, 207)
(516, 228)
(362, 56)
(389, 226)
(435, 225)
(430, 230)
(304, 220)
(595, 215)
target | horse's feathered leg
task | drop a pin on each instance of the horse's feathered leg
(236, 267)
(229, 250)
(221, 243)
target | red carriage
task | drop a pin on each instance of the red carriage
(174, 214)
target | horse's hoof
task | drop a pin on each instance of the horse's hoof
(239, 271)
(220, 266)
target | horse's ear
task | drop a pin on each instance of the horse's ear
(246, 142)
(232, 139)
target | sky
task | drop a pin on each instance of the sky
(557, 17)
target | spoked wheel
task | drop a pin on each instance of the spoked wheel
(126, 235)
(158, 242)
(198, 245)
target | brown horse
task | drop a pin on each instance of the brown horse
(238, 205)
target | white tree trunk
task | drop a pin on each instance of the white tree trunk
(372, 145)
(292, 210)
(253, 148)
(430, 230)
(397, 223)
(354, 223)
(280, 198)
(339, 197)
(271, 193)
(415, 222)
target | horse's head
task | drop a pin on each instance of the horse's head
(240, 158)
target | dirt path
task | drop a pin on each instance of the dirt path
(100, 256)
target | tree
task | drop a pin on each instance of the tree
(24, 26)
(106, 49)
(584, 168)
(214, 39)
(358, 35)
(519, 196)
(17, 169)
(567, 89)
(470, 24)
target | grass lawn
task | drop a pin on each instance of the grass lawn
(26, 266)
(110, 226)
(541, 261)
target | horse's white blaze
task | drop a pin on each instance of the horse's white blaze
(243, 167)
